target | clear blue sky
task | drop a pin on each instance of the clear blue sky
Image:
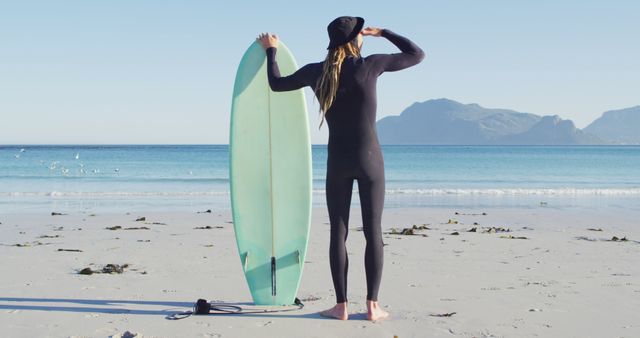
(124, 71)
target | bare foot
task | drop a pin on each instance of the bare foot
(339, 311)
(374, 312)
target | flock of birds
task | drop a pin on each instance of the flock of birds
(65, 171)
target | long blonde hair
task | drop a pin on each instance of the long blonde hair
(327, 85)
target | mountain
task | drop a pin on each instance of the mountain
(445, 121)
(620, 126)
(552, 130)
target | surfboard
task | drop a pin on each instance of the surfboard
(270, 178)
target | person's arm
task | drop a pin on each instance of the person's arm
(410, 54)
(300, 78)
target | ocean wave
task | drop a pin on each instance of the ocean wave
(513, 191)
(114, 177)
(113, 193)
(409, 192)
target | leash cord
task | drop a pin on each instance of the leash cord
(226, 309)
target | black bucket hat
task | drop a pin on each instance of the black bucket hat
(344, 29)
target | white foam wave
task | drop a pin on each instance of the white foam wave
(513, 191)
(420, 192)
(114, 194)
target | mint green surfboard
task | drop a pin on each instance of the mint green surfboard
(270, 175)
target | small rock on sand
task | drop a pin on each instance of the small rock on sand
(126, 334)
(616, 239)
(209, 227)
(85, 271)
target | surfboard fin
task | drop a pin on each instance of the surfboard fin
(273, 276)
(245, 262)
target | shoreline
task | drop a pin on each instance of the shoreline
(120, 204)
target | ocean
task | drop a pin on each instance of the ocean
(106, 178)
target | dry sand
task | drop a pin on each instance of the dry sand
(563, 280)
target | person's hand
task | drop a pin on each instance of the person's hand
(373, 31)
(267, 40)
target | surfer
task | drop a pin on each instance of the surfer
(345, 86)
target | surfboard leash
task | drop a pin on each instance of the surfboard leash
(203, 307)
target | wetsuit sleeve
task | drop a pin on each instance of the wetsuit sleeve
(301, 78)
(410, 56)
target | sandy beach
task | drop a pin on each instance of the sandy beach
(534, 272)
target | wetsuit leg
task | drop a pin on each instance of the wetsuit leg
(371, 187)
(338, 194)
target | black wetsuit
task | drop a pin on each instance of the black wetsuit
(353, 151)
